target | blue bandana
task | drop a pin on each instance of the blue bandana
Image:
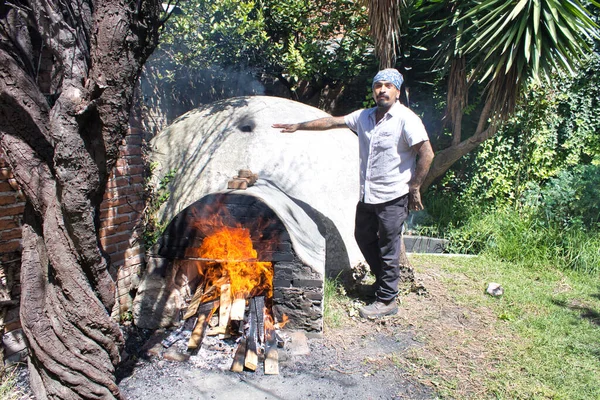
(391, 75)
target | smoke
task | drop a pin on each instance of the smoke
(169, 90)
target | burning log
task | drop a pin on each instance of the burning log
(199, 297)
(259, 304)
(238, 307)
(251, 361)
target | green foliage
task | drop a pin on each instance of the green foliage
(570, 200)
(155, 199)
(220, 49)
(554, 128)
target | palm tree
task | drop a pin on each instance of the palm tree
(500, 44)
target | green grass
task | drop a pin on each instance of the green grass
(8, 384)
(554, 317)
(336, 304)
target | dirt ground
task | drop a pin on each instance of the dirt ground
(432, 344)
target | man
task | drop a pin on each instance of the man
(395, 155)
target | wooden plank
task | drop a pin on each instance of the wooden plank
(259, 303)
(238, 359)
(224, 310)
(195, 302)
(205, 311)
(238, 307)
(251, 360)
(272, 360)
(271, 353)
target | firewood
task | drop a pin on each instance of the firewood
(272, 360)
(271, 353)
(237, 309)
(225, 308)
(217, 330)
(205, 311)
(238, 359)
(194, 303)
(251, 361)
(259, 303)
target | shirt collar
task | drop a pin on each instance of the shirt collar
(393, 111)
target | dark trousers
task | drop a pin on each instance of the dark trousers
(377, 231)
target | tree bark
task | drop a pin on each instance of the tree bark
(444, 159)
(67, 72)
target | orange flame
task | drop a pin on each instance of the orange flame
(229, 256)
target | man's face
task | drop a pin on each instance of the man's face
(385, 94)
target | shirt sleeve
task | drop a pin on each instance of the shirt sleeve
(414, 130)
(351, 120)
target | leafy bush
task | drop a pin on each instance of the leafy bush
(571, 199)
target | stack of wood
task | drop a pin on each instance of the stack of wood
(244, 180)
(234, 319)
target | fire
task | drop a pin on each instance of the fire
(228, 256)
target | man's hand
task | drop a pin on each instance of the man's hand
(414, 199)
(288, 128)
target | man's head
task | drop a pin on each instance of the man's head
(386, 87)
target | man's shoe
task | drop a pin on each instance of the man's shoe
(379, 309)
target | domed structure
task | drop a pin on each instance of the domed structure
(316, 170)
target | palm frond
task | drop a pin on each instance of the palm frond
(386, 21)
(517, 40)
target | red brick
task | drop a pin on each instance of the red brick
(116, 238)
(8, 223)
(133, 140)
(113, 229)
(133, 179)
(107, 213)
(131, 151)
(10, 211)
(6, 187)
(129, 208)
(114, 221)
(8, 198)
(128, 190)
(129, 170)
(117, 182)
(8, 234)
(6, 247)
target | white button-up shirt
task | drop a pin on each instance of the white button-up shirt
(387, 161)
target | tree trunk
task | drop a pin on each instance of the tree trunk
(444, 159)
(67, 72)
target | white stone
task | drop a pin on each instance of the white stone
(494, 289)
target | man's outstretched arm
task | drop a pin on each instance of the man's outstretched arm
(320, 124)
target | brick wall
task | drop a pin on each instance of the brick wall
(120, 229)
(121, 219)
(11, 211)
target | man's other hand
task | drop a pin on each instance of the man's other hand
(286, 127)
(414, 199)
